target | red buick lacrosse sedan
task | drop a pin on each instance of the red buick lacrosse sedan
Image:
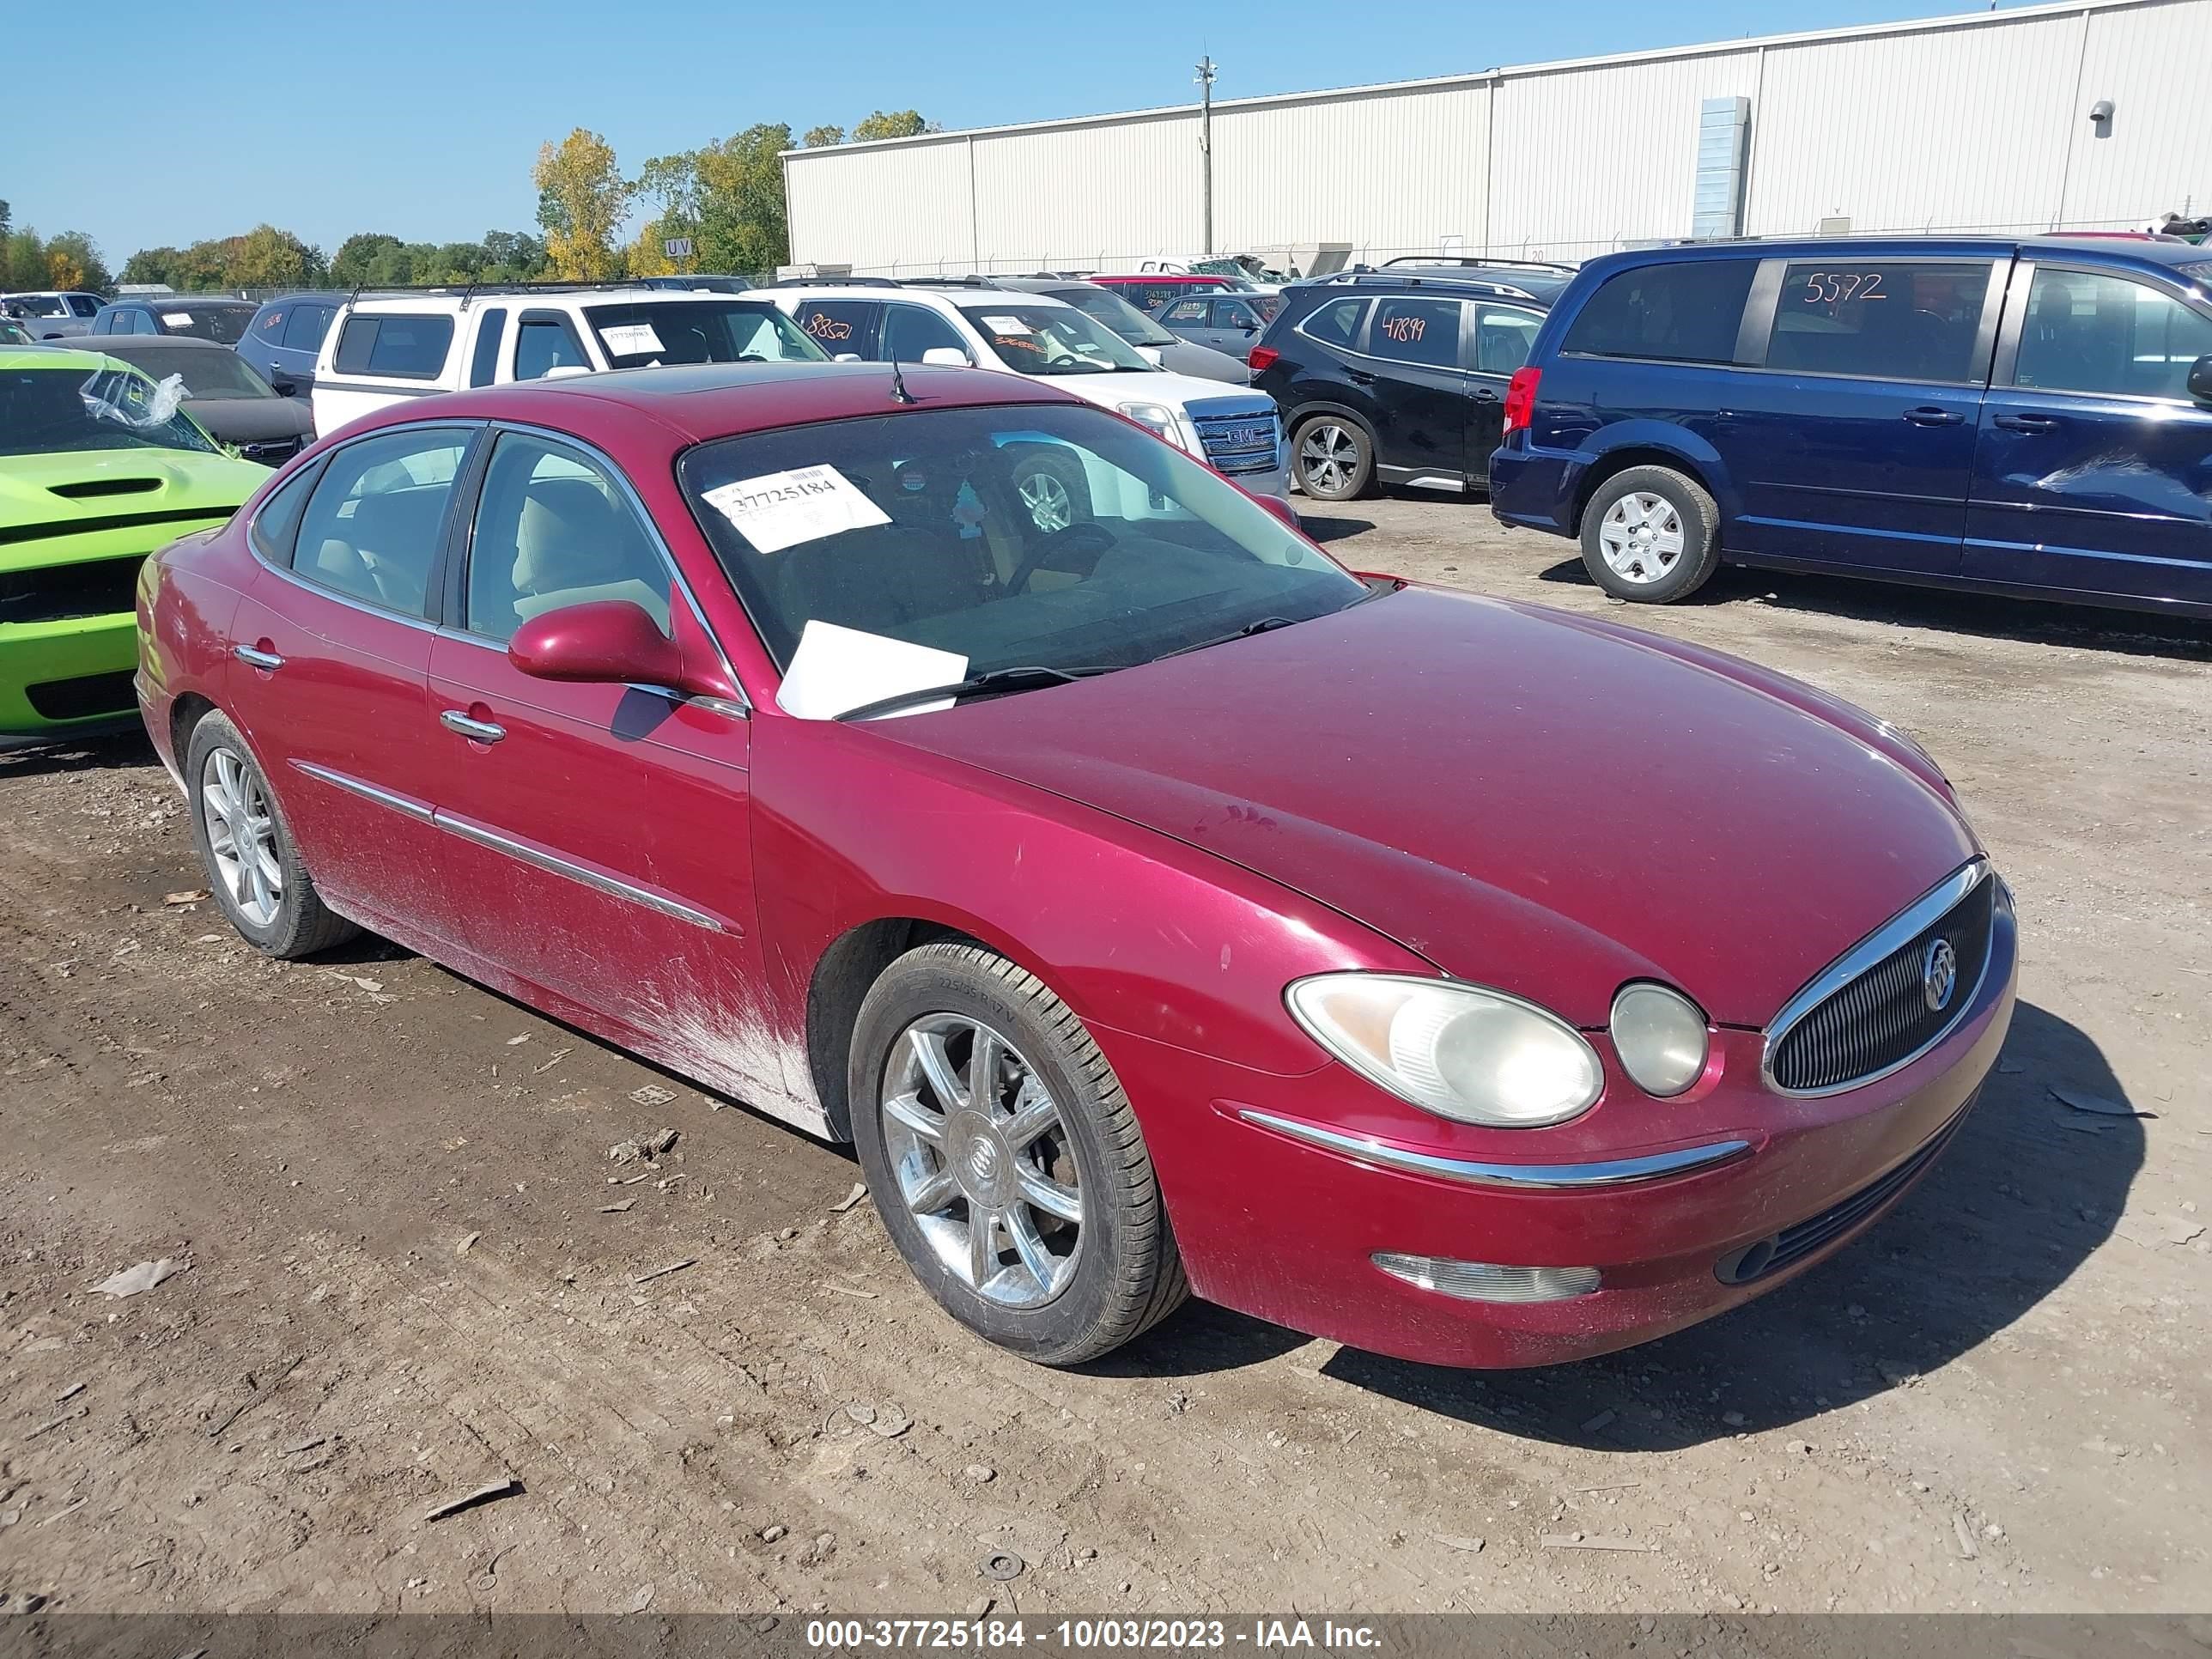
(949, 765)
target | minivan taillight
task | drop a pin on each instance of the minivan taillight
(1262, 357)
(1520, 398)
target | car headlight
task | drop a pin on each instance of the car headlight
(1461, 1051)
(1157, 417)
(1660, 1035)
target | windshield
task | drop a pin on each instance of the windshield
(203, 319)
(636, 336)
(1010, 537)
(14, 334)
(1116, 313)
(207, 374)
(46, 411)
(1051, 339)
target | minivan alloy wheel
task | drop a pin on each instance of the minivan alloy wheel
(1329, 457)
(1641, 536)
(241, 837)
(981, 1157)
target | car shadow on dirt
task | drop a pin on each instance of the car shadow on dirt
(2029, 1188)
(1325, 528)
(2035, 622)
(108, 753)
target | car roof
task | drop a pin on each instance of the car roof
(460, 299)
(952, 292)
(158, 341)
(183, 301)
(699, 401)
(2111, 248)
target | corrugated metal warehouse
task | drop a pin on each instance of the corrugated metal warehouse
(1977, 122)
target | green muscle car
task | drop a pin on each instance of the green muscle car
(98, 467)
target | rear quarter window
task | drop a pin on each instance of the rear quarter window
(1336, 323)
(1682, 310)
(402, 347)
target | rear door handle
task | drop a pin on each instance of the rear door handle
(2024, 423)
(1933, 417)
(481, 731)
(257, 659)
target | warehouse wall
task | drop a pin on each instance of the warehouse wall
(1978, 121)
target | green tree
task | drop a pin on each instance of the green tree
(742, 226)
(350, 265)
(891, 124)
(23, 261)
(269, 257)
(823, 137)
(5, 217)
(513, 256)
(153, 265)
(582, 200)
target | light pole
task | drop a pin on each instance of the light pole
(1206, 142)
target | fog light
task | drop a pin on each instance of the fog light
(1485, 1281)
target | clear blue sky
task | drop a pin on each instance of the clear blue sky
(422, 119)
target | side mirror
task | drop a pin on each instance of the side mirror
(2200, 379)
(848, 357)
(566, 371)
(606, 642)
(947, 357)
(1281, 509)
(1150, 354)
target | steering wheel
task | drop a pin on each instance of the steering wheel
(1085, 537)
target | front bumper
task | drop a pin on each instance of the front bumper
(1273, 1225)
(64, 679)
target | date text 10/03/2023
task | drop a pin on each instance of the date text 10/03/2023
(1087, 1635)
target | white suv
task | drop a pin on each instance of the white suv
(1235, 430)
(393, 344)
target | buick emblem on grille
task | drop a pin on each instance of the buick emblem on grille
(1939, 974)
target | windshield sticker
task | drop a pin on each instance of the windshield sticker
(630, 340)
(1005, 324)
(782, 509)
(177, 319)
(836, 669)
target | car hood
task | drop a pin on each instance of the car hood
(1190, 360)
(76, 491)
(1159, 386)
(250, 420)
(1525, 798)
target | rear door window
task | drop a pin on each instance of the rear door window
(1423, 332)
(839, 326)
(2085, 332)
(1884, 320)
(305, 327)
(399, 347)
(372, 526)
(1684, 311)
(1503, 337)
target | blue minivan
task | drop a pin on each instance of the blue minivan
(2022, 417)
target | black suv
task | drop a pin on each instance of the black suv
(1398, 375)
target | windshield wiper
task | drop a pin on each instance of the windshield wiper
(1025, 678)
(1265, 624)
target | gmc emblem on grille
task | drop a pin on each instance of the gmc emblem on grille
(1939, 974)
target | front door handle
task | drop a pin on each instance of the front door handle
(257, 658)
(1485, 395)
(1358, 377)
(1933, 417)
(2025, 422)
(479, 730)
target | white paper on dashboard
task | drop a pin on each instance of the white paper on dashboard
(1005, 325)
(628, 339)
(781, 509)
(836, 669)
(178, 318)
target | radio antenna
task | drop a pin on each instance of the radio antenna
(899, 393)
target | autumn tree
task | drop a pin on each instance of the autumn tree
(890, 124)
(269, 257)
(582, 200)
(73, 261)
(823, 137)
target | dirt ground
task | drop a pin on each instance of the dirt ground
(413, 1272)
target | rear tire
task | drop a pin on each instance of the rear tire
(253, 867)
(1650, 535)
(1331, 457)
(1075, 1256)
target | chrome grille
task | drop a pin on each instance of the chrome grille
(1878, 1018)
(1240, 443)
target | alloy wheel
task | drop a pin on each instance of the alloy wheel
(1641, 536)
(242, 833)
(982, 1158)
(1328, 458)
(1046, 497)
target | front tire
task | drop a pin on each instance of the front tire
(1054, 493)
(1004, 1159)
(1333, 458)
(253, 867)
(1650, 535)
